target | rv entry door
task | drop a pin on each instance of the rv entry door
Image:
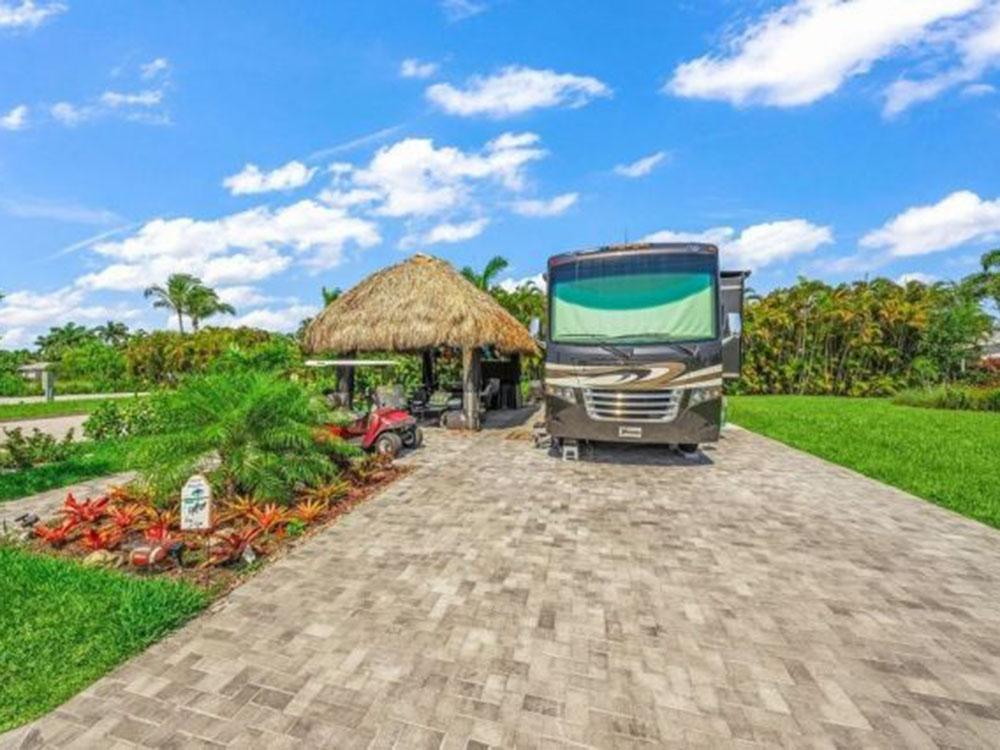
(731, 292)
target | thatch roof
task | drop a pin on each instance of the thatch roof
(418, 304)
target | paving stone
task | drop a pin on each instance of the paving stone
(499, 597)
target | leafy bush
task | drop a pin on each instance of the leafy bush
(22, 451)
(101, 365)
(860, 339)
(252, 433)
(951, 397)
(12, 384)
(125, 418)
(167, 356)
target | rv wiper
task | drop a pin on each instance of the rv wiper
(616, 351)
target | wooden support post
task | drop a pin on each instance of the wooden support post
(470, 387)
(427, 362)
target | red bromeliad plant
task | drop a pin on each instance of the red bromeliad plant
(127, 516)
(86, 511)
(98, 539)
(158, 532)
(57, 536)
(230, 547)
(269, 517)
(308, 511)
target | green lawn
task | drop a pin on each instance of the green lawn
(62, 626)
(41, 409)
(947, 457)
(88, 460)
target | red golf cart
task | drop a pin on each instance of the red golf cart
(387, 427)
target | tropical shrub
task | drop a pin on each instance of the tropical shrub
(103, 366)
(866, 338)
(132, 417)
(22, 451)
(251, 433)
(964, 398)
(164, 357)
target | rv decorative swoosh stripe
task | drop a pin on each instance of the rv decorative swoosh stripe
(624, 377)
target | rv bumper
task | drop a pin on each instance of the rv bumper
(695, 424)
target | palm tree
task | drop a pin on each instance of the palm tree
(112, 333)
(485, 279)
(203, 302)
(986, 283)
(175, 296)
(60, 338)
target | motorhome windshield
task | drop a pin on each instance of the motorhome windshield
(634, 299)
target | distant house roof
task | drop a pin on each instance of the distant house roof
(35, 367)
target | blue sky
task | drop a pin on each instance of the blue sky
(273, 148)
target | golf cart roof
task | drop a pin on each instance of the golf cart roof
(351, 363)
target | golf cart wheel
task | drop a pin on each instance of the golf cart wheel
(688, 447)
(388, 444)
(413, 438)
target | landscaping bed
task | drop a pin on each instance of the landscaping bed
(947, 457)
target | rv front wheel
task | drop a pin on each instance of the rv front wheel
(688, 447)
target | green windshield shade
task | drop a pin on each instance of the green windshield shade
(646, 306)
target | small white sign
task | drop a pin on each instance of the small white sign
(196, 504)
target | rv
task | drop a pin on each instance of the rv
(639, 340)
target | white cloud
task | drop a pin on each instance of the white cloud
(414, 68)
(235, 249)
(34, 312)
(70, 114)
(806, 49)
(27, 14)
(543, 208)
(251, 180)
(154, 68)
(242, 295)
(459, 10)
(447, 232)
(71, 213)
(923, 278)
(145, 98)
(515, 90)
(414, 178)
(348, 198)
(511, 284)
(16, 119)
(956, 220)
(285, 319)
(978, 89)
(641, 167)
(758, 245)
(978, 48)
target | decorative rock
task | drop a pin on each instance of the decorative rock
(102, 558)
(147, 556)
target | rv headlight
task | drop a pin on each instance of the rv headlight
(561, 392)
(701, 395)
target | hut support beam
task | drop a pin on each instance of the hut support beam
(470, 387)
(427, 362)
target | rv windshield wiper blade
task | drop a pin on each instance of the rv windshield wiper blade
(616, 351)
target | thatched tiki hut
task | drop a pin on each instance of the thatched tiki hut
(417, 306)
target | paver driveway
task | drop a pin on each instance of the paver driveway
(497, 596)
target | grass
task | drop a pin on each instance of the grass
(87, 460)
(947, 457)
(42, 409)
(62, 626)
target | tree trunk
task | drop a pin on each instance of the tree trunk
(180, 321)
(470, 387)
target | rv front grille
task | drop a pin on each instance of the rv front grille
(631, 406)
